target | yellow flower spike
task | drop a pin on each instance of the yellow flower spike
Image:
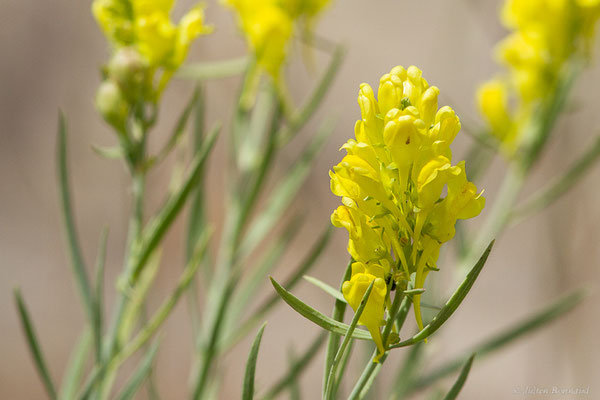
(268, 26)
(373, 313)
(545, 36)
(391, 182)
(144, 26)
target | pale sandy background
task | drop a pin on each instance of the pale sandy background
(50, 52)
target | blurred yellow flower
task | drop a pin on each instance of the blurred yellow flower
(147, 26)
(268, 26)
(401, 194)
(545, 35)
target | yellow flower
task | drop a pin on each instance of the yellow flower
(392, 182)
(147, 26)
(492, 97)
(146, 41)
(545, 35)
(268, 26)
(354, 290)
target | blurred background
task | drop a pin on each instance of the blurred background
(50, 58)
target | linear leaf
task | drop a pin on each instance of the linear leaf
(248, 390)
(167, 306)
(77, 263)
(407, 374)
(333, 341)
(213, 69)
(99, 297)
(34, 347)
(159, 226)
(507, 336)
(142, 372)
(295, 369)
(560, 186)
(314, 99)
(178, 131)
(452, 304)
(315, 316)
(329, 393)
(259, 273)
(286, 191)
(462, 378)
(336, 294)
(307, 263)
(76, 367)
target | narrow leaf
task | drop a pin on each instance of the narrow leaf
(315, 98)
(336, 294)
(333, 342)
(315, 316)
(248, 389)
(111, 153)
(286, 191)
(77, 263)
(213, 69)
(159, 226)
(507, 336)
(452, 304)
(295, 369)
(140, 375)
(462, 378)
(340, 353)
(197, 220)
(34, 347)
(99, 296)
(560, 186)
(307, 263)
(165, 309)
(409, 371)
(259, 273)
(178, 131)
(76, 367)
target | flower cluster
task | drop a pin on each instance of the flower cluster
(268, 26)
(145, 41)
(146, 26)
(545, 34)
(401, 194)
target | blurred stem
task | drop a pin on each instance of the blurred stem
(225, 279)
(138, 179)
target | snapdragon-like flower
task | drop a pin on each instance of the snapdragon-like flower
(148, 49)
(545, 35)
(268, 26)
(401, 194)
(147, 26)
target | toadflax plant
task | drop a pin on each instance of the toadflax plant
(402, 198)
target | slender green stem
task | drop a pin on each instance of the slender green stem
(210, 348)
(400, 304)
(329, 393)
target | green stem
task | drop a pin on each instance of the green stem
(133, 238)
(400, 305)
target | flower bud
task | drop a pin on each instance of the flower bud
(128, 69)
(111, 104)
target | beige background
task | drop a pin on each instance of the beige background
(49, 58)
